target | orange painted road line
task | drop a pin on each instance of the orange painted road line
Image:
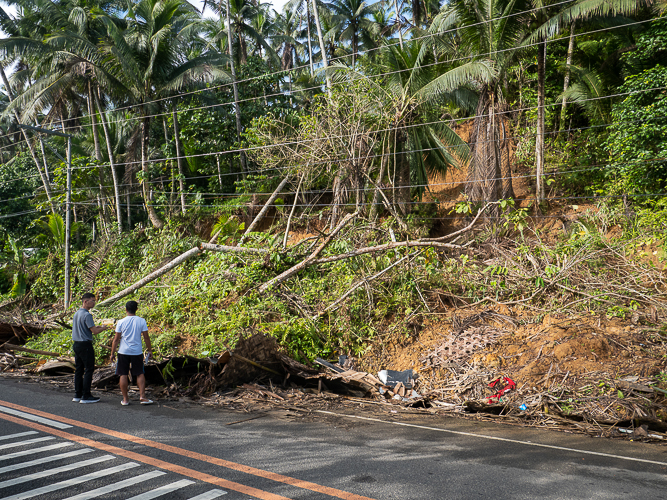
(247, 490)
(344, 495)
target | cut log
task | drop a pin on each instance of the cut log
(295, 269)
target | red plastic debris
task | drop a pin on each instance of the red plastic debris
(509, 385)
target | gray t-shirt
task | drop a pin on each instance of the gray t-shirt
(81, 325)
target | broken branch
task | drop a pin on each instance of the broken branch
(465, 229)
(151, 277)
(224, 248)
(358, 284)
(308, 260)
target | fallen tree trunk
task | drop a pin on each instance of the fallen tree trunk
(12, 347)
(151, 277)
(263, 211)
(174, 263)
(383, 248)
(224, 248)
(295, 269)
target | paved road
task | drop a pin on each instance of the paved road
(51, 448)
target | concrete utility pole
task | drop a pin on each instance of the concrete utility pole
(68, 205)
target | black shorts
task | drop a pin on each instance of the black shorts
(130, 363)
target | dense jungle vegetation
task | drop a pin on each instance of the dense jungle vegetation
(184, 122)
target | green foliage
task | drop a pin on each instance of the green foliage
(17, 268)
(227, 227)
(52, 233)
(18, 183)
(637, 143)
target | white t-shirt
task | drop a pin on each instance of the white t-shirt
(130, 341)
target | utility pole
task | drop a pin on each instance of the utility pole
(68, 205)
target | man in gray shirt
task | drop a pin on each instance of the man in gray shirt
(83, 328)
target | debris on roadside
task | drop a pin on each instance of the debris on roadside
(61, 366)
(257, 375)
(17, 333)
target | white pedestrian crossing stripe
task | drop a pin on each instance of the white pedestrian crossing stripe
(38, 461)
(117, 486)
(34, 418)
(20, 434)
(71, 482)
(209, 495)
(36, 458)
(35, 450)
(51, 472)
(24, 443)
(162, 490)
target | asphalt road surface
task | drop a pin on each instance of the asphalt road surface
(51, 448)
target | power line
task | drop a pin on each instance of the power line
(311, 205)
(465, 58)
(347, 56)
(403, 127)
(231, 195)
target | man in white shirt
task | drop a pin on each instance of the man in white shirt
(129, 331)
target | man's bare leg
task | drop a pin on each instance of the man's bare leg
(124, 385)
(141, 383)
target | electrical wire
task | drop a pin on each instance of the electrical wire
(347, 56)
(466, 58)
(392, 129)
(552, 172)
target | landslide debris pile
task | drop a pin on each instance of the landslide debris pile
(582, 371)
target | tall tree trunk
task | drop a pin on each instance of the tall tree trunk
(217, 160)
(152, 214)
(507, 188)
(102, 199)
(323, 49)
(402, 175)
(179, 158)
(310, 47)
(484, 169)
(237, 110)
(355, 45)
(114, 174)
(93, 119)
(376, 194)
(398, 22)
(566, 83)
(31, 148)
(539, 136)
(129, 213)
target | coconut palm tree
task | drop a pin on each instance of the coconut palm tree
(303, 7)
(354, 24)
(488, 31)
(69, 74)
(413, 87)
(150, 65)
(550, 23)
